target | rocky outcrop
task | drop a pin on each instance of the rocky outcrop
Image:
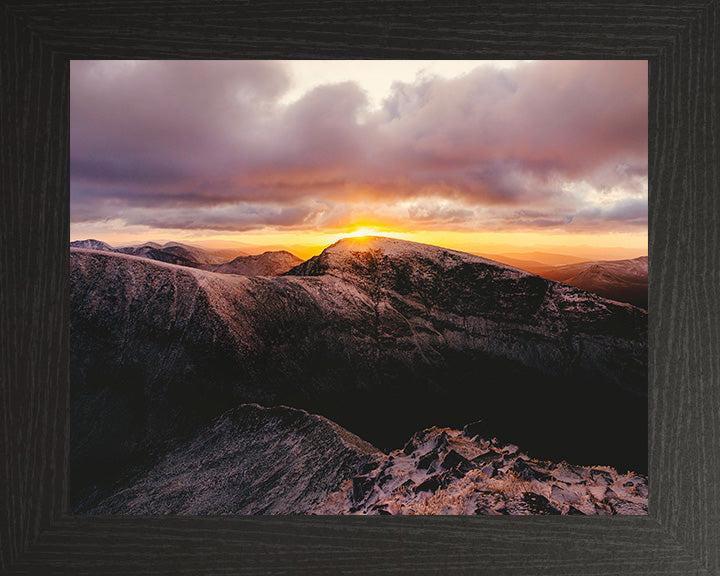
(468, 474)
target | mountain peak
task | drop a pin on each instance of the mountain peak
(91, 244)
(365, 253)
(270, 263)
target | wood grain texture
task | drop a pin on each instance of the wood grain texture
(680, 40)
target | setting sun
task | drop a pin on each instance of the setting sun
(369, 231)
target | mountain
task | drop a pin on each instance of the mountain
(194, 254)
(175, 253)
(159, 254)
(225, 254)
(622, 280)
(250, 460)
(527, 265)
(92, 245)
(240, 464)
(445, 471)
(383, 337)
(530, 261)
(265, 264)
(146, 245)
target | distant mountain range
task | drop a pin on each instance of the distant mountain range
(96, 245)
(265, 264)
(383, 337)
(621, 280)
(531, 260)
(225, 261)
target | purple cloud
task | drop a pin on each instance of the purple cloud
(210, 145)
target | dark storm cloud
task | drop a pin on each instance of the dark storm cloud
(198, 144)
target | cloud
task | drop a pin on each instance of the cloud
(210, 144)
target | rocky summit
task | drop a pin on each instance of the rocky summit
(444, 471)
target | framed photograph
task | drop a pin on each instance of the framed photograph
(336, 290)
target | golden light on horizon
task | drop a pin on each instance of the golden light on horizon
(341, 157)
(308, 243)
(369, 231)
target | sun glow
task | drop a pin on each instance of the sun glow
(369, 231)
(357, 233)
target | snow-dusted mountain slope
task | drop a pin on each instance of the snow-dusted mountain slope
(356, 254)
(622, 280)
(255, 460)
(174, 253)
(444, 471)
(265, 264)
(92, 244)
(197, 255)
(250, 460)
(383, 337)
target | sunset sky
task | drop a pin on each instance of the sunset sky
(480, 156)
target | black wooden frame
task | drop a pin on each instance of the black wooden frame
(680, 40)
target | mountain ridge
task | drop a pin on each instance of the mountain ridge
(436, 338)
(240, 464)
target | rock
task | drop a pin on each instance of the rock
(598, 492)
(483, 510)
(369, 467)
(409, 447)
(489, 470)
(624, 508)
(407, 484)
(568, 475)
(641, 490)
(362, 485)
(384, 479)
(572, 511)
(528, 472)
(478, 428)
(538, 504)
(442, 441)
(430, 485)
(562, 495)
(454, 460)
(427, 459)
(490, 456)
(601, 477)
(515, 508)
(610, 493)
